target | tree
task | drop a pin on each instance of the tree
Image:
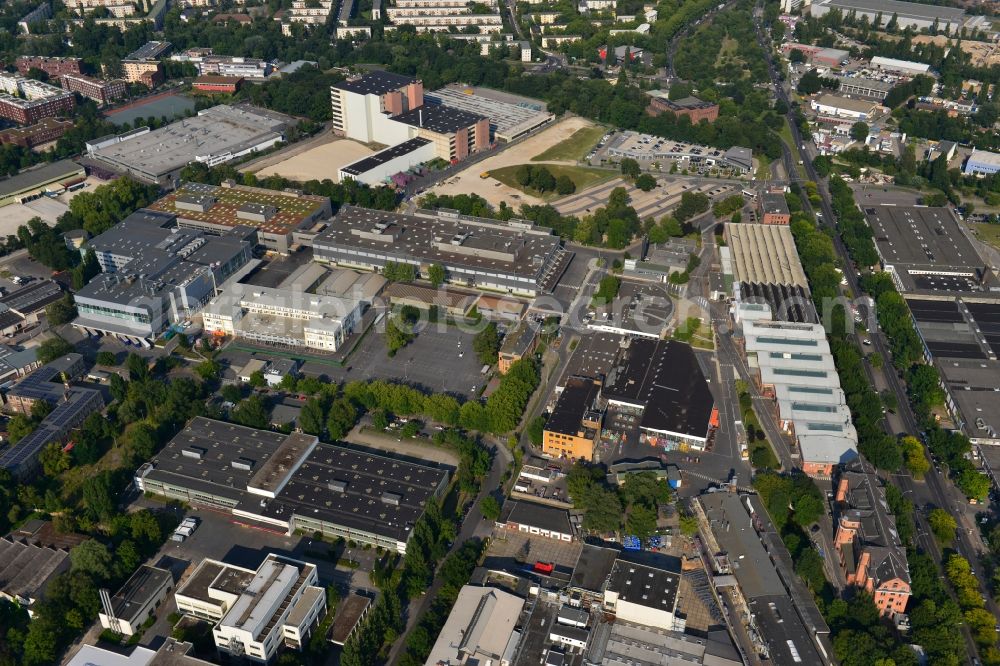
(486, 344)
(630, 168)
(810, 83)
(645, 182)
(342, 417)
(565, 185)
(490, 508)
(137, 366)
(395, 336)
(796, 57)
(145, 528)
(312, 418)
(536, 430)
(943, 525)
(105, 358)
(641, 521)
(257, 379)
(52, 348)
(54, 460)
(252, 413)
(688, 524)
(62, 311)
(436, 274)
(97, 496)
(209, 369)
(859, 131)
(92, 557)
(914, 458)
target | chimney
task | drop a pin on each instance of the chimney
(420, 115)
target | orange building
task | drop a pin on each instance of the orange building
(574, 426)
(867, 540)
(517, 344)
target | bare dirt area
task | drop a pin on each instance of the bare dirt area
(317, 160)
(492, 189)
(984, 54)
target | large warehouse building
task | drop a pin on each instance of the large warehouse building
(513, 257)
(214, 136)
(906, 14)
(510, 116)
(292, 482)
(31, 183)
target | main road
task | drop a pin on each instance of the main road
(935, 482)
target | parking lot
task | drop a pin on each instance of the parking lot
(656, 203)
(507, 547)
(654, 152)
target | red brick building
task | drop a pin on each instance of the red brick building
(49, 129)
(27, 101)
(692, 107)
(218, 84)
(54, 67)
(102, 92)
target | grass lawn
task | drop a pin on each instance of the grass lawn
(582, 177)
(728, 49)
(764, 170)
(786, 136)
(574, 148)
(987, 233)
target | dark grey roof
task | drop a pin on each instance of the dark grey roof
(368, 163)
(32, 298)
(137, 592)
(150, 51)
(578, 397)
(593, 567)
(536, 515)
(38, 176)
(645, 585)
(787, 302)
(774, 203)
(440, 119)
(375, 83)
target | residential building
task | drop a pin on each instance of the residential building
(843, 107)
(773, 208)
(27, 571)
(981, 163)
(574, 425)
(102, 92)
(513, 257)
(536, 520)
(53, 66)
(692, 107)
(645, 594)
(906, 14)
(153, 50)
(213, 84)
(483, 627)
(871, 553)
(279, 216)
(525, 48)
(147, 72)
(116, 8)
(215, 136)
(32, 183)
(441, 15)
(517, 344)
(71, 406)
(283, 317)
(39, 14)
(46, 130)
(155, 274)
(291, 482)
(27, 101)
(137, 601)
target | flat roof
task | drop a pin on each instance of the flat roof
(644, 585)
(664, 377)
(39, 176)
(921, 243)
(774, 204)
(439, 119)
(357, 489)
(149, 50)
(577, 398)
(375, 83)
(215, 575)
(366, 164)
(536, 515)
(349, 613)
(594, 355)
(137, 592)
(484, 246)
(890, 7)
(849, 103)
(985, 157)
(765, 253)
(290, 210)
(216, 131)
(509, 115)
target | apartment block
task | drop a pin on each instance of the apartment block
(26, 101)
(102, 92)
(54, 67)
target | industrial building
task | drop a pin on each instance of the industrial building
(27, 570)
(818, 55)
(389, 109)
(282, 317)
(773, 606)
(216, 135)
(255, 612)
(155, 274)
(380, 167)
(896, 66)
(31, 183)
(291, 482)
(981, 163)
(102, 92)
(574, 424)
(215, 84)
(535, 519)
(764, 254)
(137, 600)
(482, 628)
(27, 101)
(926, 252)
(277, 215)
(774, 208)
(71, 406)
(836, 106)
(510, 116)
(647, 148)
(906, 14)
(514, 257)
(867, 540)
(645, 594)
(864, 87)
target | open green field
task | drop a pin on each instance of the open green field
(987, 233)
(582, 177)
(574, 148)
